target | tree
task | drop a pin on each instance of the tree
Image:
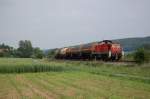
(37, 53)
(141, 56)
(25, 49)
(51, 53)
(6, 51)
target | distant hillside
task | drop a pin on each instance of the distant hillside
(130, 44)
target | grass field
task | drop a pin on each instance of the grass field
(42, 79)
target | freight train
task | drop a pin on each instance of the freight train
(104, 50)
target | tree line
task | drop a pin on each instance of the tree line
(25, 50)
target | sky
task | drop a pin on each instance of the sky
(58, 23)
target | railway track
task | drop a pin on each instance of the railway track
(120, 62)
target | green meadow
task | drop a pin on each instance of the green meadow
(26, 78)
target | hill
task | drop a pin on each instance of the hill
(128, 44)
(131, 44)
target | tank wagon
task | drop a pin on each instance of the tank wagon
(105, 50)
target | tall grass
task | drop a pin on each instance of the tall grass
(29, 65)
(23, 65)
(30, 68)
(14, 65)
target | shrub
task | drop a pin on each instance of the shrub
(51, 54)
(141, 56)
(37, 53)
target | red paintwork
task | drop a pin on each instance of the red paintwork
(115, 48)
(105, 48)
(102, 48)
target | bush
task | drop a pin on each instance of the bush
(141, 56)
(51, 54)
(37, 53)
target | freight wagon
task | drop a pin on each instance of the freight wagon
(105, 50)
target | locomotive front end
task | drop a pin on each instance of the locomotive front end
(116, 51)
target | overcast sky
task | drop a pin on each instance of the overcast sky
(58, 23)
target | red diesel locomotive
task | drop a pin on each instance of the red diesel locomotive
(105, 50)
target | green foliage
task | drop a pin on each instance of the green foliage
(25, 49)
(37, 53)
(5, 50)
(51, 54)
(141, 56)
